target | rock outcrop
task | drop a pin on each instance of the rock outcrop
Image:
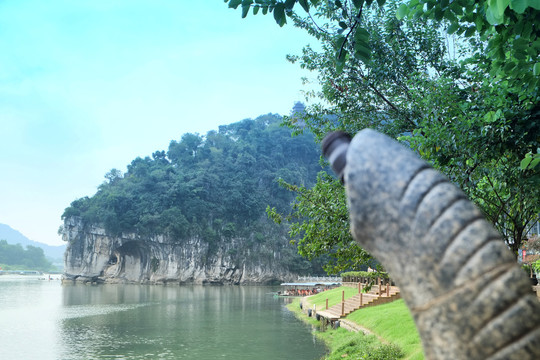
(93, 255)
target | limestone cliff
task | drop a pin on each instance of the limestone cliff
(93, 255)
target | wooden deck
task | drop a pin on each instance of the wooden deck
(377, 296)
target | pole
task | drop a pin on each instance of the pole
(343, 303)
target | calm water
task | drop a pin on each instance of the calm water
(45, 320)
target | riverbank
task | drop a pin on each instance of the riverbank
(386, 331)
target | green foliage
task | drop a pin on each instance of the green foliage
(468, 103)
(510, 28)
(506, 34)
(536, 266)
(18, 258)
(319, 225)
(354, 276)
(215, 187)
(478, 138)
(390, 322)
(530, 161)
(359, 346)
(351, 37)
(393, 322)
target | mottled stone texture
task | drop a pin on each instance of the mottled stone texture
(469, 298)
(93, 255)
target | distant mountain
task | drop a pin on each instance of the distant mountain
(55, 253)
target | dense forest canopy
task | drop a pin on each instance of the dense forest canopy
(213, 187)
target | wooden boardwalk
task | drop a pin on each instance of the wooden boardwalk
(377, 296)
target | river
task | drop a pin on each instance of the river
(42, 319)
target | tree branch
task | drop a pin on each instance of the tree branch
(356, 22)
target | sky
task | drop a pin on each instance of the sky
(89, 85)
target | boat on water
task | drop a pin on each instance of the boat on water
(305, 288)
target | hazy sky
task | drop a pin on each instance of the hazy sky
(89, 85)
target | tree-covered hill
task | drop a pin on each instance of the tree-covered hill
(15, 257)
(214, 187)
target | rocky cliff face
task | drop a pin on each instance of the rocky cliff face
(94, 256)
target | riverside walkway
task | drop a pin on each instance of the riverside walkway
(378, 294)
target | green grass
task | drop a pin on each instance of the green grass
(344, 344)
(333, 296)
(392, 322)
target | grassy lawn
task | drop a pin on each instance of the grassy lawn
(345, 344)
(392, 322)
(333, 296)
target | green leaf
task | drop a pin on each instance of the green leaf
(256, 9)
(289, 4)
(234, 3)
(245, 11)
(438, 14)
(304, 4)
(341, 56)
(339, 42)
(358, 3)
(246, 5)
(343, 25)
(519, 6)
(527, 30)
(363, 53)
(361, 35)
(521, 44)
(279, 14)
(470, 31)
(456, 8)
(501, 6)
(535, 4)
(381, 2)
(536, 69)
(526, 161)
(479, 22)
(492, 16)
(509, 66)
(452, 28)
(402, 11)
(450, 16)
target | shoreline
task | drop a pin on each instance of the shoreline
(355, 338)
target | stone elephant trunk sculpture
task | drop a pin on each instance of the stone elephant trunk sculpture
(467, 295)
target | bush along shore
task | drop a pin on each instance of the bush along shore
(384, 332)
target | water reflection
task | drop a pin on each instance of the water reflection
(44, 320)
(180, 322)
